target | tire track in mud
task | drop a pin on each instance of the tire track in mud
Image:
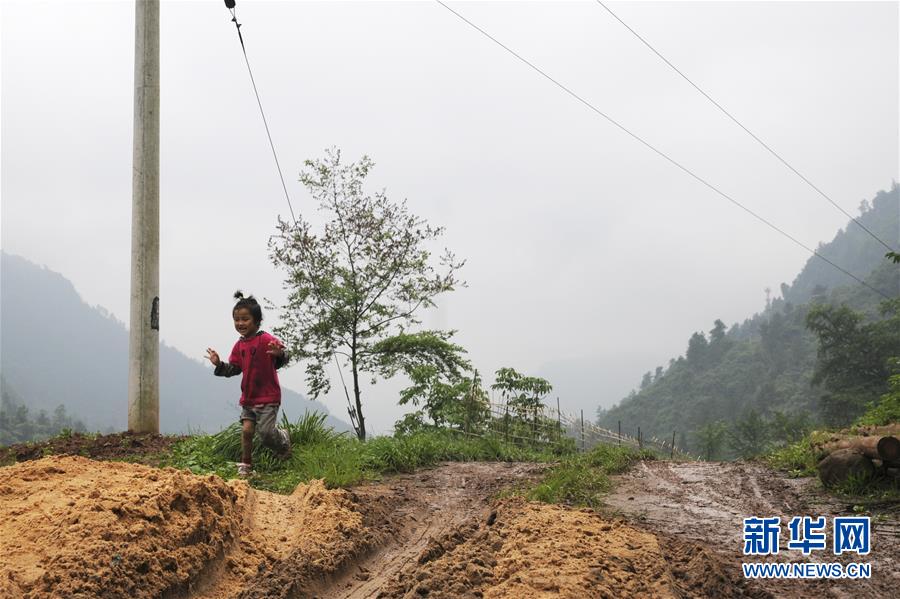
(705, 503)
(453, 540)
(433, 503)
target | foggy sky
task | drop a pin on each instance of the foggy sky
(590, 260)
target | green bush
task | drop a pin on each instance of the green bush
(887, 409)
(797, 458)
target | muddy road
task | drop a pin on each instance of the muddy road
(75, 527)
(705, 503)
(430, 505)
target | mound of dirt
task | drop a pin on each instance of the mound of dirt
(288, 541)
(700, 572)
(73, 527)
(533, 550)
(143, 448)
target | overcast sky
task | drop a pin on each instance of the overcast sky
(590, 259)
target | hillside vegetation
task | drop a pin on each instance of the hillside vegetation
(739, 390)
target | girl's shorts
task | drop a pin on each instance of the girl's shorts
(264, 415)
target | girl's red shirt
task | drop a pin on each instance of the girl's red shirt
(259, 383)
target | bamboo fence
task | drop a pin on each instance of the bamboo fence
(546, 425)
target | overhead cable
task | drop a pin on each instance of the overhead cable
(750, 133)
(660, 152)
(230, 5)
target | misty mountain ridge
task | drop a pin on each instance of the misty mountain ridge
(57, 350)
(766, 363)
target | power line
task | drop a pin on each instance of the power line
(230, 5)
(237, 26)
(660, 152)
(750, 133)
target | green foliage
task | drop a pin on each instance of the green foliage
(855, 485)
(615, 459)
(435, 369)
(319, 453)
(19, 425)
(785, 428)
(310, 429)
(798, 458)
(887, 409)
(431, 350)
(411, 423)
(524, 394)
(581, 480)
(711, 438)
(853, 248)
(355, 287)
(571, 484)
(339, 463)
(473, 411)
(853, 357)
(523, 419)
(767, 362)
(749, 436)
(870, 492)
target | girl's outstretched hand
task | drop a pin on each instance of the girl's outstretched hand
(212, 356)
(275, 349)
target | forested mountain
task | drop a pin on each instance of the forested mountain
(18, 423)
(760, 372)
(57, 350)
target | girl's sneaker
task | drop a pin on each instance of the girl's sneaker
(244, 470)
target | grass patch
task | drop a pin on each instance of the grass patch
(800, 460)
(339, 459)
(797, 459)
(581, 480)
(869, 491)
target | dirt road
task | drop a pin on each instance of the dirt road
(432, 505)
(705, 503)
(75, 527)
(441, 533)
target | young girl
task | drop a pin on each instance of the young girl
(256, 356)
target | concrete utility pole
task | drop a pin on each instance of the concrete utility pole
(143, 346)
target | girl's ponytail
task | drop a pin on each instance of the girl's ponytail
(250, 304)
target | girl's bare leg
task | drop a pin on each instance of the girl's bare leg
(249, 427)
